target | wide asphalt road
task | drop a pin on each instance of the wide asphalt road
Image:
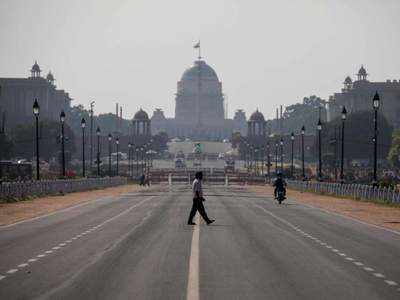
(138, 246)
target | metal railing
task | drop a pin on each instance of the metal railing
(356, 191)
(53, 187)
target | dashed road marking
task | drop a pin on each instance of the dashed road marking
(379, 275)
(2, 277)
(48, 251)
(390, 282)
(41, 255)
(349, 258)
(55, 248)
(32, 260)
(357, 263)
(22, 265)
(368, 269)
(12, 271)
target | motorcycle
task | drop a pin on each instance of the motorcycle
(280, 195)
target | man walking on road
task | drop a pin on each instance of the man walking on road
(198, 200)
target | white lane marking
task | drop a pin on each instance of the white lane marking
(379, 275)
(22, 265)
(350, 218)
(55, 248)
(368, 269)
(69, 241)
(349, 258)
(193, 280)
(357, 263)
(41, 255)
(390, 282)
(341, 254)
(62, 244)
(56, 212)
(48, 251)
(2, 277)
(12, 271)
(329, 247)
(32, 260)
(335, 250)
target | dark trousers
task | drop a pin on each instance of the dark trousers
(198, 206)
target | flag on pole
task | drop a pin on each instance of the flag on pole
(197, 45)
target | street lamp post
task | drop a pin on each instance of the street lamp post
(319, 128)
(36, 111)
(281, 149)
(137, 162)
(303, 131)
(344, 113)
(83, 125)
(98, 150)
(117, 142)
(62, 119)
(268, 162)
(142, 158)
(262, 153)
(375, 104)
(129, 159)
(109, 154)
(91, 135)
(276, 157)
(292, 155)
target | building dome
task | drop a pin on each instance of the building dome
(199, 68)
(141, 115)
(348, 80)
(257, 117)
(36, 68)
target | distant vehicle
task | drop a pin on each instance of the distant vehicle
(180, 163)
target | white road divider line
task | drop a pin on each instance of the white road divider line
(22, 265)
(12, 271)
(390, 282)
(32, 260)
(2, 277)
(193, 280)
(379, 275)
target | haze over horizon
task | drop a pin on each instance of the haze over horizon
(266, 53)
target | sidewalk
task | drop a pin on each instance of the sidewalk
(385, 216)
(18, 211)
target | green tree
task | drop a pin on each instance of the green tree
(6, 146)
(305, 113)
(49, 141)
(394, 153)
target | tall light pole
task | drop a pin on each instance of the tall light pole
(375, 104)
(281, 149)
(98, 150)
(62, 119)
(109, 154)
(292, 155)
(276, 157)
(83, 125)
(91, 135)
(268, 162)
(303, 131)
(262, 153)
(129, 160)
(137, 162)
(344, 113)
(36, 111)
(141, 159)
(117, 142)
(319, 128)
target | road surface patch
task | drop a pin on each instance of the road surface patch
(341, 254)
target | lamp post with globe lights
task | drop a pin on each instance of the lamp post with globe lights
(83, 125)
(36, 111)
(109, 137)
(375, 104)
(344, 115)
(319, 128)
(98, 150)
(62, 120)
(303, 131)
(292, 155)
(117, 143)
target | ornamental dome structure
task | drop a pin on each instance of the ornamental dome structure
(35, 70)
(50, 77)
(257, 116)
(141, 115)
(199, 69)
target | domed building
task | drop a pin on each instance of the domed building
(199, 108)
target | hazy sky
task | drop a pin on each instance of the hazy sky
(265, 53)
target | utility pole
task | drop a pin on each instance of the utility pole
(91, 135)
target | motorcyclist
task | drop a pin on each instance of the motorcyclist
(280, 184)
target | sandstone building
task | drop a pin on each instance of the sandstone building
(17, 96)
(357, 96)
(199, 108)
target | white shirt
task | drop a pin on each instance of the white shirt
(197, 188)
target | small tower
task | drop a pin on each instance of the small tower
(348, 83)
(141, 124)
(50, 78)
(256, 125)
(35, 71)
(362, 74)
